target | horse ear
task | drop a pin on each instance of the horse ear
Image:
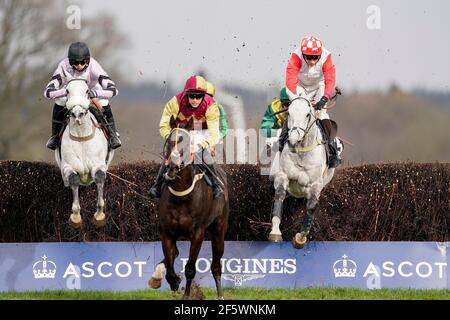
(172, 122)
(190, 124)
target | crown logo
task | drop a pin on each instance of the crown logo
(344, 268)
(43, 269)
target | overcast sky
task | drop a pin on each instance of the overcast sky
(250, 41)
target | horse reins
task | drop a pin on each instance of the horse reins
(306, 130)
(311, 112)
(331, 104)
(181, 165)
(169, 159)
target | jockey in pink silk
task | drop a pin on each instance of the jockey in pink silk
(193, 102)
(80, 64)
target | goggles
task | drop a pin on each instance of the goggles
(77, 62)
(195, 95)
(311, 57)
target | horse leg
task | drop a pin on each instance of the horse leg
(75, 217)
(170, 252)
(196, 244)
(312, 202)
(99, 216)
(281, 183)
(217, 243)
(157, 275)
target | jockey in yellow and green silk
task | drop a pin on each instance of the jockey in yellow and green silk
(192, 102)
(275, 115)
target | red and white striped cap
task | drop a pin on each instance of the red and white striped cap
(311, 46)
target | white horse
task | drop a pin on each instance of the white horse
(83, 156)
(303, 168)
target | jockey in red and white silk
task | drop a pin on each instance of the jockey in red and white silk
(309, 81)
(311, 74)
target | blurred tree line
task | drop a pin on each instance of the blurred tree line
(34, 38)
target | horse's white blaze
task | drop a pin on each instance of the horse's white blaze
(83, 158)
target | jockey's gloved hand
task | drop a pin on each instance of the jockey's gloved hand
(322, 102)
(92, 94)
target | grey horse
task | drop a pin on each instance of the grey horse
(303, 168)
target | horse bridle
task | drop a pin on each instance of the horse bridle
(308, 126)
(180, 164)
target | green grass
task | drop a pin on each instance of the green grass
(241, 294)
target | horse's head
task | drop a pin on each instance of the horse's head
(178, 148)
(77, 87)
(77, 100)
(301, 117)
(79, 114)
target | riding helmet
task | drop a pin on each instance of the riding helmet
(79, 51)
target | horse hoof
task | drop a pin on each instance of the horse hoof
(99, 223)
(75, 222)
(275, 238)
(299, 240)
(220, 298)
(174, 287)
(154, 283)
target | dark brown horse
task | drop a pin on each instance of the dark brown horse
(188, 210)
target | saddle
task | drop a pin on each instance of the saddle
(99, 121)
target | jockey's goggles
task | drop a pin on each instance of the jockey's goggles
(77, 62)
(195, 95)
(311, 57)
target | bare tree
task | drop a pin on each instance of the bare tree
(33, 39)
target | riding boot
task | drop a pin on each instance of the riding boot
(216, 183)
(57, 124)
(283, 136)
(114, 140)
(155, 190)
(335, 157)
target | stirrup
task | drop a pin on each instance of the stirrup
(155, 192)
(336, 161)
(115, 143)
